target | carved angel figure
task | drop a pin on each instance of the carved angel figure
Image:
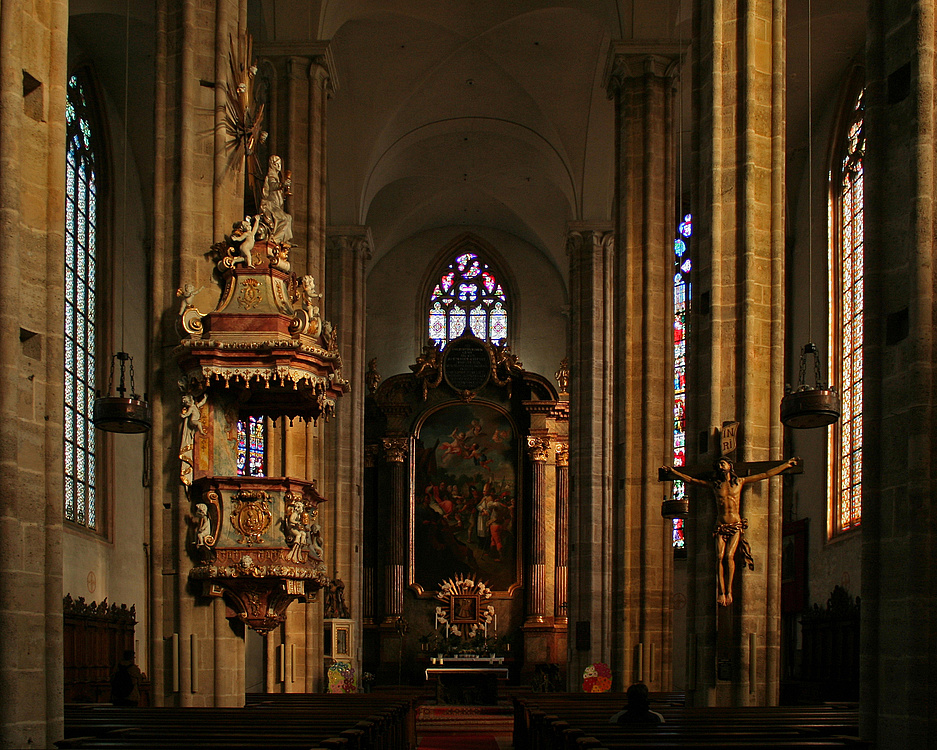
(244, 234)
(203, 533)
(191, 424)
(276, 188)
(297, 531)
(188, 293)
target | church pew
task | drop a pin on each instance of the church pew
(564, 721)
(332, 720)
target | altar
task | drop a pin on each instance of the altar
(467, 680)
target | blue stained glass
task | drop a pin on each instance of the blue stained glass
(456, 322)
(686, 226)
(468, 292)
(687, 266)
(679, 248)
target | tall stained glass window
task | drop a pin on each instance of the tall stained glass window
(681, 306)
(846, 328)
(468, 294)
(252, 447)
(80, 300)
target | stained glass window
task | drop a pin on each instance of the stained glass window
(252, 445)
(681, 305)
(468, 294)
(80, 299)
(846, 294)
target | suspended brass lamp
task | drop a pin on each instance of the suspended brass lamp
(806, 407)
(122, 413)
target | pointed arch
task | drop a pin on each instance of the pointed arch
(467, 289)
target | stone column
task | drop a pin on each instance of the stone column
(395, 452)
(32, 219)
(305, 78)
(642, 84)
(197, 195)
(739, 92)
(560, 579)
(590, 248)
(899, 482)
(538, 449)
(349, 249)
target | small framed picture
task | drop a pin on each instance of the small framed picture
(464, 609)
(341, 641)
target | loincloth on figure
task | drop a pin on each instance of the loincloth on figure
(729, 530)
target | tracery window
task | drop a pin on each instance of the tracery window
(252, 447)
(681, 306)
(846, 325)
(82, 145)
(468, 294)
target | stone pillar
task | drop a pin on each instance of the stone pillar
(304, 79)
(739, 159)
(32, 219)
(349, 249)
(642, 85)
(395, 452)
(538, 449)
(590, 248)
(899, 482)
(561, 575)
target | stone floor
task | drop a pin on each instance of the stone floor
(464, 727)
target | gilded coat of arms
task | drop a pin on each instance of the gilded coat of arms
(251, 517)
(250, 294)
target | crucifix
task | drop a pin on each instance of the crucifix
(726, 481)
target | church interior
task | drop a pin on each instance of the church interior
(579, 343)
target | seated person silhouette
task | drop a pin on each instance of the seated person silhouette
(638, 713)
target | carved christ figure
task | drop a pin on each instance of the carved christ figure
(726, 487)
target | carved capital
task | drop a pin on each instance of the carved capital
(627, 60)
(371, 453)
(350, 239)
(538, 448)
(581, 239)
(562, 454)
(395, 449)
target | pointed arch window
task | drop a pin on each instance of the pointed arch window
(682, 293)
(81, 191)
(846, 324)
(468, 293)
(252, 447)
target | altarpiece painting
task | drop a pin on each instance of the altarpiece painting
(465, 498)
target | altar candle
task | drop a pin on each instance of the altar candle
(496, 623)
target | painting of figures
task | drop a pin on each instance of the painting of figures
(465, 498)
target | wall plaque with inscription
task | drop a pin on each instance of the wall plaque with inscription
(466, 364)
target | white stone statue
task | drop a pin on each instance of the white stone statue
(191, 424)
(276, 188)
(297, 531)
(245, 235)
(203, 535)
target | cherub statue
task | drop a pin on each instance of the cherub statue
(203, 535)
(191, 424)
(244, 234)
(188, 293)
(308, 294)
(276, 188)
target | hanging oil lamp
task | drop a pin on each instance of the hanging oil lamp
(806, 407)
(122, 413)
